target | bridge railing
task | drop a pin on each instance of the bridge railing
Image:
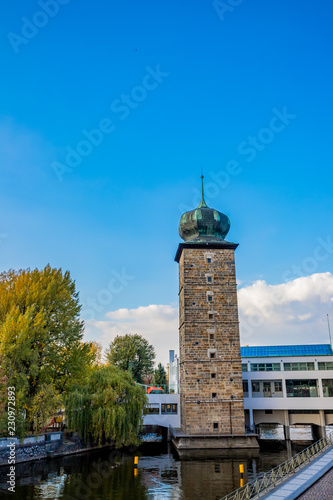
(272, 478)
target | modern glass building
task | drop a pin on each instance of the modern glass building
(285, 387)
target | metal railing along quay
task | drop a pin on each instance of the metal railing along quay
(268, 480)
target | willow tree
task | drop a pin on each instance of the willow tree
(108, 408)
(41, 336)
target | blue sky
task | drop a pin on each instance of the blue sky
(174, 86)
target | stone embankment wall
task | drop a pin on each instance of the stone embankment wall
(38, 447)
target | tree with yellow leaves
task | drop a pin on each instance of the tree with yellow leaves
(41, 339)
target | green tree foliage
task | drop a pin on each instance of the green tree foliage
(132, 353)
(43, 405)
(159, 378)
(41, 336)
(108, 408)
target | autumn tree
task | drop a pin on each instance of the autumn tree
(108, 408)
(41, 337)
(96, 353)
(132, 353)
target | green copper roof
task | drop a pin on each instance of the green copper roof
(203, 224)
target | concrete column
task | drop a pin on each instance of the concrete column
(322, 424)
(288, 446)
(251, 419)
(320, 388)
(249, 381)
(286, 425)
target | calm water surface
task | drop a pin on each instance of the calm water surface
(160, 475)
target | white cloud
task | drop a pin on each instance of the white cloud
(288, 313)
(156, 323)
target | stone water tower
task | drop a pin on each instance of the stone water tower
(211, 394)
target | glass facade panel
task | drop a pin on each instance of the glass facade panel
(303, 412)
(267, 387)
(244, 367)
(325, 365)
(328, 388)
(154, 408)
(245, 388)
(265, 367)
(286, 350)
(165, 408)
(278, 386)
(290, 367)
(255, 386)
(302, 388)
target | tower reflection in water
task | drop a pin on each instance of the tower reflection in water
(160, 474)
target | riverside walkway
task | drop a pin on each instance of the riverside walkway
(289, 480)
(304, 486)
(322, 490)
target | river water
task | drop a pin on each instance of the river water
(159, 475)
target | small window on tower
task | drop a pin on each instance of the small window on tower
(209, 279)
(213, 375)
(209, 260)
(214, 394)
(210, 316)
(210, 298)
(212, 355)
(215, 426)
(211, 336)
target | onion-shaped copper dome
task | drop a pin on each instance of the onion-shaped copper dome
(203, 224)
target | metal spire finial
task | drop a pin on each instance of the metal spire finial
(202, 202)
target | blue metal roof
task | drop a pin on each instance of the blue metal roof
(286, 350)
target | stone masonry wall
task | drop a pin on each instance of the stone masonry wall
(27, 452)
(210, 363)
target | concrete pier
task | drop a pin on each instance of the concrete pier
(184, 443)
